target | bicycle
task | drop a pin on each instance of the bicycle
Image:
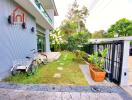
(28, 65)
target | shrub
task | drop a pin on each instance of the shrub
(71, 46)
(79, 54)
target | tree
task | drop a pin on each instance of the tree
(78, 15)
(122, 27)
(71, 45)
(81, 37)
(98, 34)
(76, 41)
(73, 29)
(75, 19)
(75, 13)
(68, 27)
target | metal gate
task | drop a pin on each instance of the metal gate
(113, 60)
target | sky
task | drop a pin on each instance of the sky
(102, 13)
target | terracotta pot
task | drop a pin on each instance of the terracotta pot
(96, 74)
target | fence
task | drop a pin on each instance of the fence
(113, 60)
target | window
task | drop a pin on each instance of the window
(41, 41)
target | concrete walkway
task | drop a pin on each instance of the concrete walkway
(10, 91)
(86, 72)
(128, 89)
(52, 56)
(41, 95)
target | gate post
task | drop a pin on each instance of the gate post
(112, 62)
(124, 73)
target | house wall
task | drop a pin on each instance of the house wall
(15, 42)
(47, 39)
(47, 32)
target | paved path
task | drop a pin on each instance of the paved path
(41, 95)
(51, 92)
(52, 56)
(128, 89)
(86, 72)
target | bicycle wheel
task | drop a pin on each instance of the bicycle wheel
(45, 61)
(29, 71)
(15, 72)
(33, 68)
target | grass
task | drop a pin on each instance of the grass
(70, 73)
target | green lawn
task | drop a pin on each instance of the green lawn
(64, 71)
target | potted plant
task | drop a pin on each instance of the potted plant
(96, 65)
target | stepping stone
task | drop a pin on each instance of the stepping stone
(64, 59)
(61, 63)
(58, 61)
(60, 68)
(65, 56)
(57, 75)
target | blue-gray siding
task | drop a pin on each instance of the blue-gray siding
(15, 42)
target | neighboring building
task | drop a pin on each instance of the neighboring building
(25, 26)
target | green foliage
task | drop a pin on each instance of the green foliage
(122, 27)
(91, 58)
(99, 34)
(79, 54)
(82, 37)
(77, 40)
(72, 31)
(71, 43)
(98, 61)
(68, 27)
(56, 40)
(103, 53)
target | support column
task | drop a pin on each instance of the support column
(47, 39)
(124, 75)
